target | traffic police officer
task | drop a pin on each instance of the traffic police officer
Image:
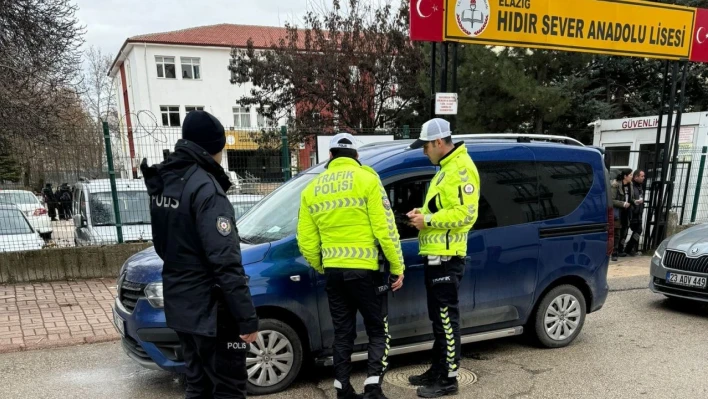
(206, 294)
(344, 214)
(449, 212)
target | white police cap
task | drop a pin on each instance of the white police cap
(343, 140)
(433, 129)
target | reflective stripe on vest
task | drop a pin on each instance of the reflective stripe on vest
(350, 252)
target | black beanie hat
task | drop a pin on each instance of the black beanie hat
(201, 128)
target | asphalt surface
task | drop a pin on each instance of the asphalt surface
(640, 345)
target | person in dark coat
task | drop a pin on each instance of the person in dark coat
(64, 200)
(206, 295)
(51, 200)
(636, 213)
(622, 200)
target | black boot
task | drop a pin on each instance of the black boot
(614, 256)
(373, 391)
(427, 378)
(348, 393)
(443, 386)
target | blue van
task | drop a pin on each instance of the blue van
(537, 260)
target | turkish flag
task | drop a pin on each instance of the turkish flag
(426, 17)
(699, 49)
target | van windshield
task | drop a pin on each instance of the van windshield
(134, 208)
(275, 217)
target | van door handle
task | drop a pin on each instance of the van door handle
(295, 278)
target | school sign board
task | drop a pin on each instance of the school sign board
(613, 27)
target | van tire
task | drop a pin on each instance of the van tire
(284, 330)
(574, 314)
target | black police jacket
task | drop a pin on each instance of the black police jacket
(194, 232)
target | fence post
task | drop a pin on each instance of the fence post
(285, 152)
(112, 176)
(697, 195)
(406, 132)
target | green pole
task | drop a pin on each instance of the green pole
(698, 184)
(112, 176)
(285, 152)
(406, 132)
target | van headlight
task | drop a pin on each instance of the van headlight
(659, 253)
(153, 293)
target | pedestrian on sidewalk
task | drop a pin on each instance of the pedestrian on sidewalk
(206, 294)
(636, 212)
(622, 199)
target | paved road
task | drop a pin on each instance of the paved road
(639, 346)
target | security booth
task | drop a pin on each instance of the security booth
(631, 143)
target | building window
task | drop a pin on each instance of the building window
(165, 67)
(170, 116)
(190, 68)
(191, 108)
(242, 117)
(263, 121)
(619, 156)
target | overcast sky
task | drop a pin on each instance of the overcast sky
(108, 25)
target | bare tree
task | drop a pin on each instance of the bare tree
(98, 88)
(350, 67)
(39, 58)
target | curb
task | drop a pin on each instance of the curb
(57, 344)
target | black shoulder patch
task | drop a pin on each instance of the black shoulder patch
(223, 225)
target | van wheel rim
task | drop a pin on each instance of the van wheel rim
(562, 317)
(269, 359)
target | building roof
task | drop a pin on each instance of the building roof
(221, 35)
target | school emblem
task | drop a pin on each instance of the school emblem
(469, 189)
(223, 226)
(472, 16)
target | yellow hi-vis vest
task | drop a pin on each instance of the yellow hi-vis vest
(344, 212)
(450, 205)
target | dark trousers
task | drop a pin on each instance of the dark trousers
(216, 366)
(442, 283)
(349, 291)
(621, 231)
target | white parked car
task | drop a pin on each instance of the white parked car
(33, 209)
(16, 232)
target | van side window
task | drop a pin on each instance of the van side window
(562, 187)
(405, 195)
(508, 194)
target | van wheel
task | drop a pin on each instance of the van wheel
(560, 317)
(275, 359)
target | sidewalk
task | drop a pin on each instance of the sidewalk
(63, 313)
(54, 314)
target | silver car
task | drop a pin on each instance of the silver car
(679, 267)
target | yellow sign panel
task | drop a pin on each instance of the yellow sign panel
(241, 140)
(614, 27)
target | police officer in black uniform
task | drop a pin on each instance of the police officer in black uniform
(207, 299)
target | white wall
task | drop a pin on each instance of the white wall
(147, 92)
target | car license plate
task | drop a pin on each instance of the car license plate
(119, 323)
(686, 280)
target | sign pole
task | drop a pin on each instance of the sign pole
(433, 60)
(443, 67)
(649, 234)
(454, 80)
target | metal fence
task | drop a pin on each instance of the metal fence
(55, 190)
